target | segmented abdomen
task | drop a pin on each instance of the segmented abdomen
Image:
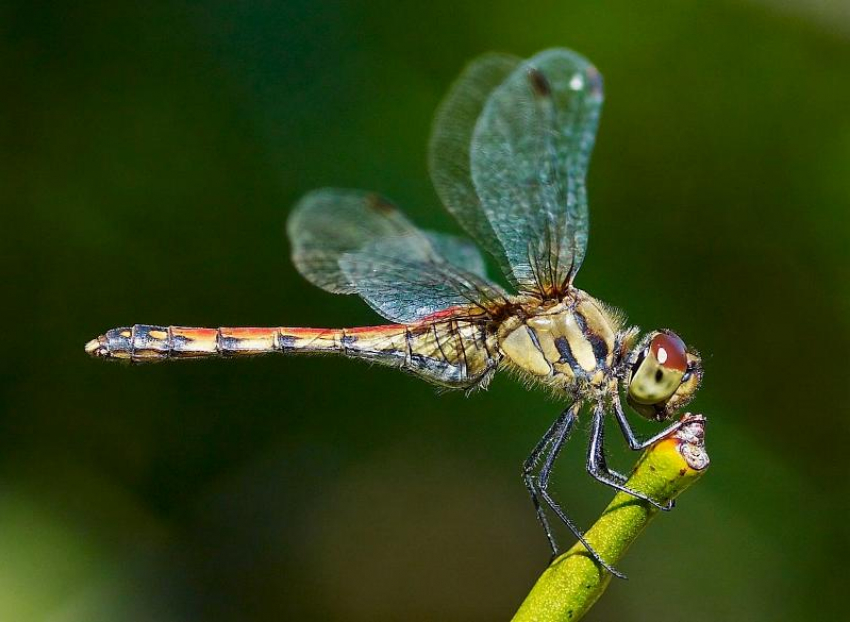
(452, 353)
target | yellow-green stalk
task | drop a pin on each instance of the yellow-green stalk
(573, 582)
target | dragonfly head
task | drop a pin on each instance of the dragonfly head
(662, 375)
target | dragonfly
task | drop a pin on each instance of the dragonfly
(508, 157)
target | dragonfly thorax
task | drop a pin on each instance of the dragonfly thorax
(576, 343)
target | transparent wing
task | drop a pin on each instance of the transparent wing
(329, 222)
(529, 156)
(458, 251)
(448, 150)
(405, 280)
(355, 242)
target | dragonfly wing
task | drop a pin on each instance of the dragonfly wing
(458, 251)
(529, 156)
(405, 280)
(448, 150)
(329, 222)
(355, 242)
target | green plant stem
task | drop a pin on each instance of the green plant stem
(573, 582)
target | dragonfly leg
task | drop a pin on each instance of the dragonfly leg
(615, 475)
(554, 439)
(631, 438)
(601, 462)
(566, 419)
(598, 468)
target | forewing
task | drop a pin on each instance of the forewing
(448, 150)
(355, 242)
(529, 156)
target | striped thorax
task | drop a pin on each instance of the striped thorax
(573, 344)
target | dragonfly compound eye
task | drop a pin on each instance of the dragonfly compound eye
(659, 371)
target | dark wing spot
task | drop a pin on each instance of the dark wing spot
(379, 204)
(539, 84)
(658, 375)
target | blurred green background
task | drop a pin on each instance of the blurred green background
(149, 160)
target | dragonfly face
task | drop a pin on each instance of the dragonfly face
(508, 156)
(662, 376)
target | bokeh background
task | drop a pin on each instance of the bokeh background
(149, 160)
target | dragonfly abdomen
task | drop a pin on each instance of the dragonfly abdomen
(142, 343)
(450, 354)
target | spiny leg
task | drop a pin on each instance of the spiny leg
(566, 418)
(597, 467)
(602, 462)
(631, 438)
(616, 475)
(557, 436)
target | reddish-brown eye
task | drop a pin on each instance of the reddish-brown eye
(670, 351)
